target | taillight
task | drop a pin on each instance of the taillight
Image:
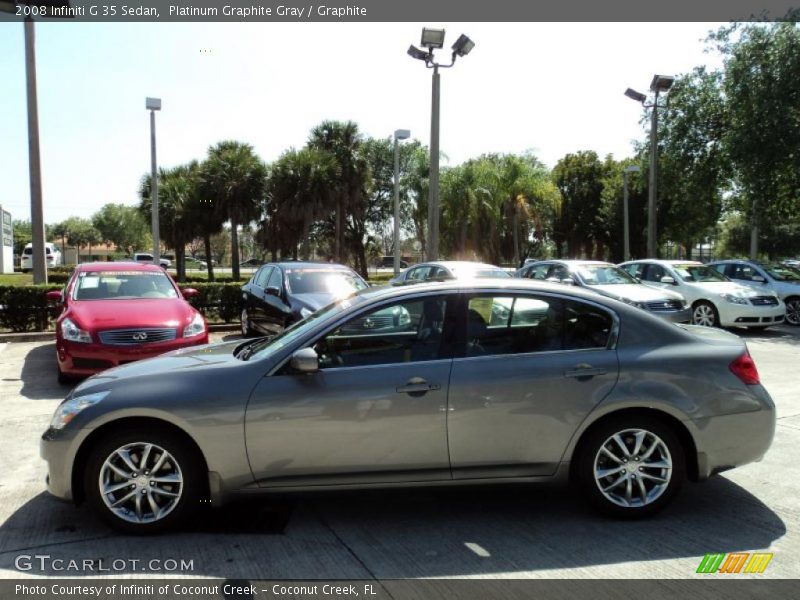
(745, 369)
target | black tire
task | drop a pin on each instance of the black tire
(247, 330)
(189, 468)
(708, 310)
(793, 311)
(590, 452)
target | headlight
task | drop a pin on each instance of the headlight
(73, 333)
(305, 312)
(69, 408)
(632, 303)
(196, 327)
(733, 299)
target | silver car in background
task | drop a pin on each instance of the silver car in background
(488, 382)
(443, 270)
(608, 280)
(716, 301)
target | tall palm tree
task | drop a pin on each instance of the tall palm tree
(235, 179)
(342, 140)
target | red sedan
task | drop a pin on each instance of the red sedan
(115, 313)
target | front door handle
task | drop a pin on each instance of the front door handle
(584, 371)
(417, 386)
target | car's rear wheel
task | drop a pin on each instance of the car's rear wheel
(142, 480)
(793, 311)
(631, 467)
(247, 329)
(705, 314)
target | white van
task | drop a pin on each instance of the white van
(51, 252)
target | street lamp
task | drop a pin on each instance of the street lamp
(399, 134)
(660, 84)
(434, 39)
(628, 169)
(154, 104)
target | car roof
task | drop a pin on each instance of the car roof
(298, 264)
(479, 284)
(659, 261)
(454, 264)
(94, 267)
(573, 262)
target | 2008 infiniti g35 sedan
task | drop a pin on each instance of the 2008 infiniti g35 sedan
(489, 381)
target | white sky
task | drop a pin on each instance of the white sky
(553, 88)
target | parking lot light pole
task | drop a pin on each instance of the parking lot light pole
(154, 104)
(434, 39)
(660, 84)
(399, 134)
(627, 224)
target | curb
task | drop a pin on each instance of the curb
(49, 336)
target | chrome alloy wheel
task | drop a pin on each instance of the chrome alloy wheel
(140, 482)
(793, 312)
(245, 323)
(633, 468)
(703, 314)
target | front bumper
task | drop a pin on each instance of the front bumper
(78, 359)
(727, 441)
(740, 315)
(674, 316)
(58, 449)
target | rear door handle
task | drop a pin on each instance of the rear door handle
(584, 371)
(417, 386)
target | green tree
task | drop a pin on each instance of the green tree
(81, 233)
(579, 178)
(235, 180)
(124, 226)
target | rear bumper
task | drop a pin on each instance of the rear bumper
(78, 359)
(727, 441)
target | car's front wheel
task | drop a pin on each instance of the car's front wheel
(143, 480)
(631, 467)
(793, 311)
(247, 329)
(705, 314)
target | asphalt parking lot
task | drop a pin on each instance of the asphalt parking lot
(521, 531)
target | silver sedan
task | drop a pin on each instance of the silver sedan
(487, 381)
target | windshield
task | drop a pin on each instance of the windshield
(782, 272)
(339, 283)
(698, 273)
(116, 285)
(603, 275)
(265, 347)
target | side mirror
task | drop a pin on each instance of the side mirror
(669, 280)
(55, 296)
(189, 293)
(568, 281)
(305, 360)
(273, 291)
(759, 279)
(554, 280)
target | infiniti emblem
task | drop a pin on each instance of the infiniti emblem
(140, 337)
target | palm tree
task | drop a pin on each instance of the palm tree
(342, 140)
(177, 190)
(235, 179)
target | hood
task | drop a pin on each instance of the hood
(313, 301)
(99, 315)
(635, 292)
(209, 355)
(729, 287)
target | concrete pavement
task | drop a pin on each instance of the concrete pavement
(514, 531)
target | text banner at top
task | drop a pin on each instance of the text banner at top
(429, 11)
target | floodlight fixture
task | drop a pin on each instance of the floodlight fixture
(661, 83)
(633, 169)
(402, 134)
(415, 52)
(432, 38)
(634, 95)
(463, 45)
(153, 103)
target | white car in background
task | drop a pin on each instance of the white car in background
(144, 257)
(766, 278)
(51, 252)
(716, 301)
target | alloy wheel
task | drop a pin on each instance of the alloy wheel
(633, 468)
(703, 314)
(245, 323)
(793, 312)
(140, 482)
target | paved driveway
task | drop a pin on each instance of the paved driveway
(500, 532)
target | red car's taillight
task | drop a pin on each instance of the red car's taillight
(745, 369)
